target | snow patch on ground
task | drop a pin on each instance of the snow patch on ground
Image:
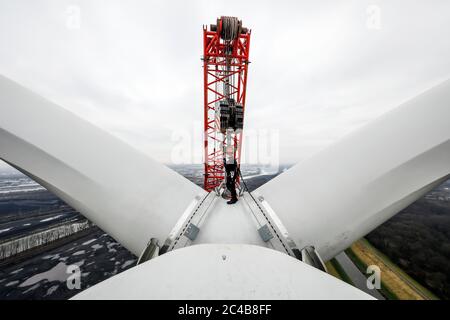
(32, 288)
(127, 263)
(57, 273)
(79, 252)
(51, 257)
(51, 290)
(12, 283)
(51, 218)
(5, 230)
(88, 242)
(16, 271)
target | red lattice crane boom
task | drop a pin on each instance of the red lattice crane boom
(226, 48)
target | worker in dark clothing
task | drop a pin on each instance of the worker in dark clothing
(231, 170)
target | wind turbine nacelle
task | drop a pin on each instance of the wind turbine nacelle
(223, 271)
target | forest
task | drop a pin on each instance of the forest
(418, 240)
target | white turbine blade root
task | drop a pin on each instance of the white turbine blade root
(123, 191)
(348, 189)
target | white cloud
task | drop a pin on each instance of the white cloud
(317, 71)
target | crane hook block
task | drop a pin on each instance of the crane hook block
(231, 115)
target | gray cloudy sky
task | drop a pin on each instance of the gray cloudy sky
(319, 69)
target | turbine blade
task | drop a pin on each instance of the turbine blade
(343, 192)
(127, 194)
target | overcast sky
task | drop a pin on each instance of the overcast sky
(319, 69)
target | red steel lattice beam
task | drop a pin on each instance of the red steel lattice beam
(216, 60)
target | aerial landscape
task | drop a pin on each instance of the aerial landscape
(199, 153)
(412, 247)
